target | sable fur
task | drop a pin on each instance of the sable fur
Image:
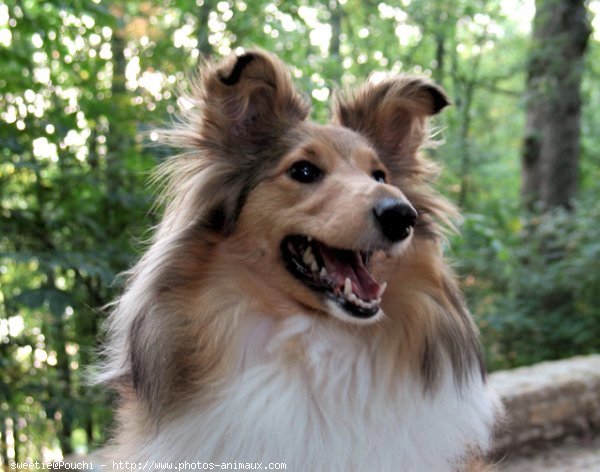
(210, 302)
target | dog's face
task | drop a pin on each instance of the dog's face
(322, 218)
(318, 211)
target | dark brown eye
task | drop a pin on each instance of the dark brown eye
(305, 172)
(379, 176)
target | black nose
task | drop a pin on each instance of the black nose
(395, 218)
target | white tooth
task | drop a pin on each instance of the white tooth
(308, 257)
(313, 266)
(347, 287)
(323, 273)
(353, 298)
(309, 238)
(378, 301)
(382, 288)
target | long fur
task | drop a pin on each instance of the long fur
(220, 355)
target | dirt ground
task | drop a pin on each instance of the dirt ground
(574, 456)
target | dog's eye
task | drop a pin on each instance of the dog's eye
(379, 176)
(305, 172)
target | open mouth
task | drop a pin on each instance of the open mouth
(340, 274)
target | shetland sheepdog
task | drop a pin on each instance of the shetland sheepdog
(294, 308)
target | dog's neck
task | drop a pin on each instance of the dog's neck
(291, 374)
(333, 386)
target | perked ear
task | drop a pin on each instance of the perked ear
(391, 114)
(248, 100)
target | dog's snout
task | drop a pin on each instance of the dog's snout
(395, 218)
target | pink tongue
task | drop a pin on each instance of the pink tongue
(363, 284)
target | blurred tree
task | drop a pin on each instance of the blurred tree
(550, 169)
(203, 14)
(72, 197)
(551, 152)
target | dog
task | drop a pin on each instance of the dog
(294, 307)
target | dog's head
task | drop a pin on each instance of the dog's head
(315, 211)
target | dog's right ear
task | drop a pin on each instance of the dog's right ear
(248, 101)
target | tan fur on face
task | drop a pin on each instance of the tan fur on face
(337, 210)
(215, 265)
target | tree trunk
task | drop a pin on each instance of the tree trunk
(203, 12)
(465, 146)
(551, 145)
(440, 55)
(3, 443)
(335, 57)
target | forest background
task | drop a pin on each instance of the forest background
(84, 84)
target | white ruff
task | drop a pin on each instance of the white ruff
(319, 398)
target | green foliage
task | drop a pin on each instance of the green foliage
(82, 86)
(534, 283)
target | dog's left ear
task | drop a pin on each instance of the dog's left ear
(248, 101)
(391, 114)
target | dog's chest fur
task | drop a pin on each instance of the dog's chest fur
(319, 398)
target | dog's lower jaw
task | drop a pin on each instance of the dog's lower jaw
(333, 309)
